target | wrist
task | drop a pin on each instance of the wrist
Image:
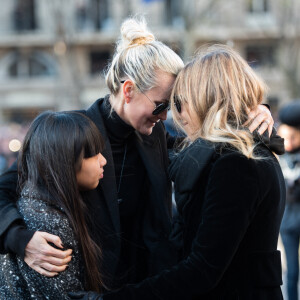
(17, 238)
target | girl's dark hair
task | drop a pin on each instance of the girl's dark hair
(52, 153)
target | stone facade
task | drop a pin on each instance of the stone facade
(53, 53)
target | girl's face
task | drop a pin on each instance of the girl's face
(138, 111)
(91, 172)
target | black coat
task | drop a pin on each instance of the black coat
(230, 209)
(155, 221)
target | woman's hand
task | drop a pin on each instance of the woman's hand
(260, 117)
(45, 259)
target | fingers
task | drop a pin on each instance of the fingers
(56, 261)
(47, 265)
(52, 238)
(48, 250)
(260, 117)
(262, 124)
(251, 116)
(270, 127)
(256, 122)
(44, 272)
(44, 258)
(269, 120)
(263, 121)
(51, 268)
(263, 127)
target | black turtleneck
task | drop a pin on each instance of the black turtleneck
(129, 168)
(130, 181)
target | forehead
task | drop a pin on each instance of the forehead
(165, 82)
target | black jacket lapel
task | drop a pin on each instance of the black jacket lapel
(108, 183)
(155, 161)
(189, 164)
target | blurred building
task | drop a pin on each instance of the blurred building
(53, 53)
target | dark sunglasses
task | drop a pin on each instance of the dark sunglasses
(159, 108)
(177, 104)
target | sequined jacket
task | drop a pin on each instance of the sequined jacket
(17, 279)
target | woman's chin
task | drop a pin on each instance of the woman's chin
(147, 129)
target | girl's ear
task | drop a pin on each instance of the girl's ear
(128, 90)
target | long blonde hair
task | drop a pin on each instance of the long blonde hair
(220, 88)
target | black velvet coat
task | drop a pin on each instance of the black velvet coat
(155, 218)
(230, 209)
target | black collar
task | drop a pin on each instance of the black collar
(187, 166)
(118, 130)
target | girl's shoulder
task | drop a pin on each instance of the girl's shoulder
(31, 199)
(40, 215)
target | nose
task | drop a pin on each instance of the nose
(163, 115)
(102, 160)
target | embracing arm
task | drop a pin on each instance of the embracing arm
(11, 222)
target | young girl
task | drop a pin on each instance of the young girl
(60, 157)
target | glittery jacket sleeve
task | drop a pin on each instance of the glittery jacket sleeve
(42, 217)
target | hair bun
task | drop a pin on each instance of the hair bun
(134, 32)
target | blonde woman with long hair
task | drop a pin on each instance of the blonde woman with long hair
(229, 190)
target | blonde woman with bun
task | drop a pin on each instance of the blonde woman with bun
(130, 211)
(229, 191)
